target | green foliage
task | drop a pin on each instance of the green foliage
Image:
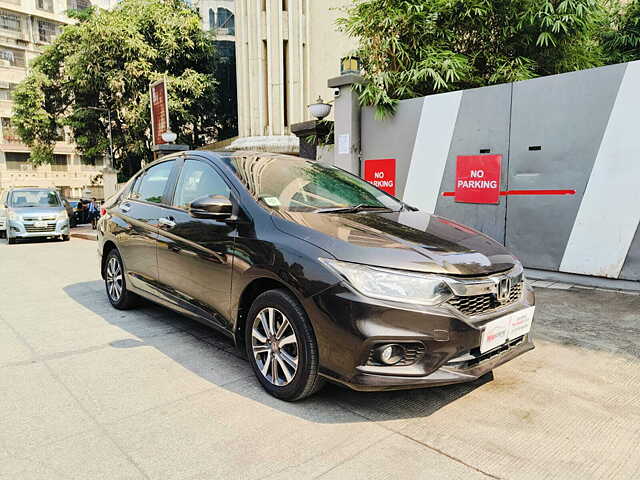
(411, 48)
(107, 60)
(621, 40)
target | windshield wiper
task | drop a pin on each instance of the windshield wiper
(354, 209)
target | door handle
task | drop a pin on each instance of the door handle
(166, 222)
(125, 207)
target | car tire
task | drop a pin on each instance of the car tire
(3, 234)
(66, 238)
(117, 293)
(276, 317)
(11, 241)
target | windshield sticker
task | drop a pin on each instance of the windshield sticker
(273, 202)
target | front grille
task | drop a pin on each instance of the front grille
(34, 229)
(37, 219)
(480, 304)
(412, 353)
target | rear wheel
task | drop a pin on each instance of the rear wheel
(115, 283)
(3, 234)
(281, 346)
(11, 241)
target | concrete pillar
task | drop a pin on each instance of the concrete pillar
(347, 123)
(109, 182)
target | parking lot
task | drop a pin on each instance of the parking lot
(90, 392)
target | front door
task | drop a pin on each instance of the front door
(195, 254)
(139, 214)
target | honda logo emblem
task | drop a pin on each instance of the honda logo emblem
(504, 289)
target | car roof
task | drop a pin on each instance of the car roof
(31, 189)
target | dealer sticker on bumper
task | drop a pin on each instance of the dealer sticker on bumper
(505, 328)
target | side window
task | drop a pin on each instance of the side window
(197, 179)
(133, 193)
(154, 182)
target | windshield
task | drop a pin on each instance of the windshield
(34, 198)
(295, 184)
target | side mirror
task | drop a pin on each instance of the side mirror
(211, 206)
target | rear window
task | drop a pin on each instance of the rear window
(34, 198)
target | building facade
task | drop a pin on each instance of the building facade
(285, 51)
(26, 27)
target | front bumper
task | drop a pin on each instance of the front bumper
(19, 229)
(352, 325)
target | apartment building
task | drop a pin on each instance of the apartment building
(26, 27)
(286, 50)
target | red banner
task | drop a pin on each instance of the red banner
(159, 111)
(382, 174)
(478, 178)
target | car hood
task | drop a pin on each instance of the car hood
(403, 240)
(38, 212)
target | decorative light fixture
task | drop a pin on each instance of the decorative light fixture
(320, 109)
(350, 65)
(169, 136)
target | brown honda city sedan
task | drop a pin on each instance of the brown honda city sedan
(314, 273)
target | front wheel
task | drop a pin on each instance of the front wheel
(281, 346)
(11, 240)
(115, 283)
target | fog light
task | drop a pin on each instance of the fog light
(389, 354)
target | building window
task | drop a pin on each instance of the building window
(91, 163)
(212, 19)
(284, 5)
(264, 5)
(78, 4)
(17, 160)
(10, 22)
(265, 73)
(226, 22)
(47, 31)
(9, 132)
(59, 163)
(12, 58)
(285, 81)
(6, 90)
(46, 5)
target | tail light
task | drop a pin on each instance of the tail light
(103, 212)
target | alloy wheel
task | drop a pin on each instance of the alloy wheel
(275, 346)
(114, 279)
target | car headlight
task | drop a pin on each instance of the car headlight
(63, 215)
(397, 285)
(13, 216)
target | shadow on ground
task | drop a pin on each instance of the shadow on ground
(365, 406)
(587, 318)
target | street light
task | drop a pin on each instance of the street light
(169, 136)
(319, 109)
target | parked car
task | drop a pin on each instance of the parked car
(33, 212)
(315, 273)
(71, 212)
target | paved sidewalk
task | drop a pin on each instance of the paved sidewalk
(85, 232)
(88, 392)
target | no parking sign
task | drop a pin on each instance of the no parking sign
(478, 178)
(382, 174)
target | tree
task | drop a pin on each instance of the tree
(107, 61)
(621, 38)
(411, 48)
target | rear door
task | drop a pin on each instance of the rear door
(3, 212)
(195, 254)
(139, 213)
